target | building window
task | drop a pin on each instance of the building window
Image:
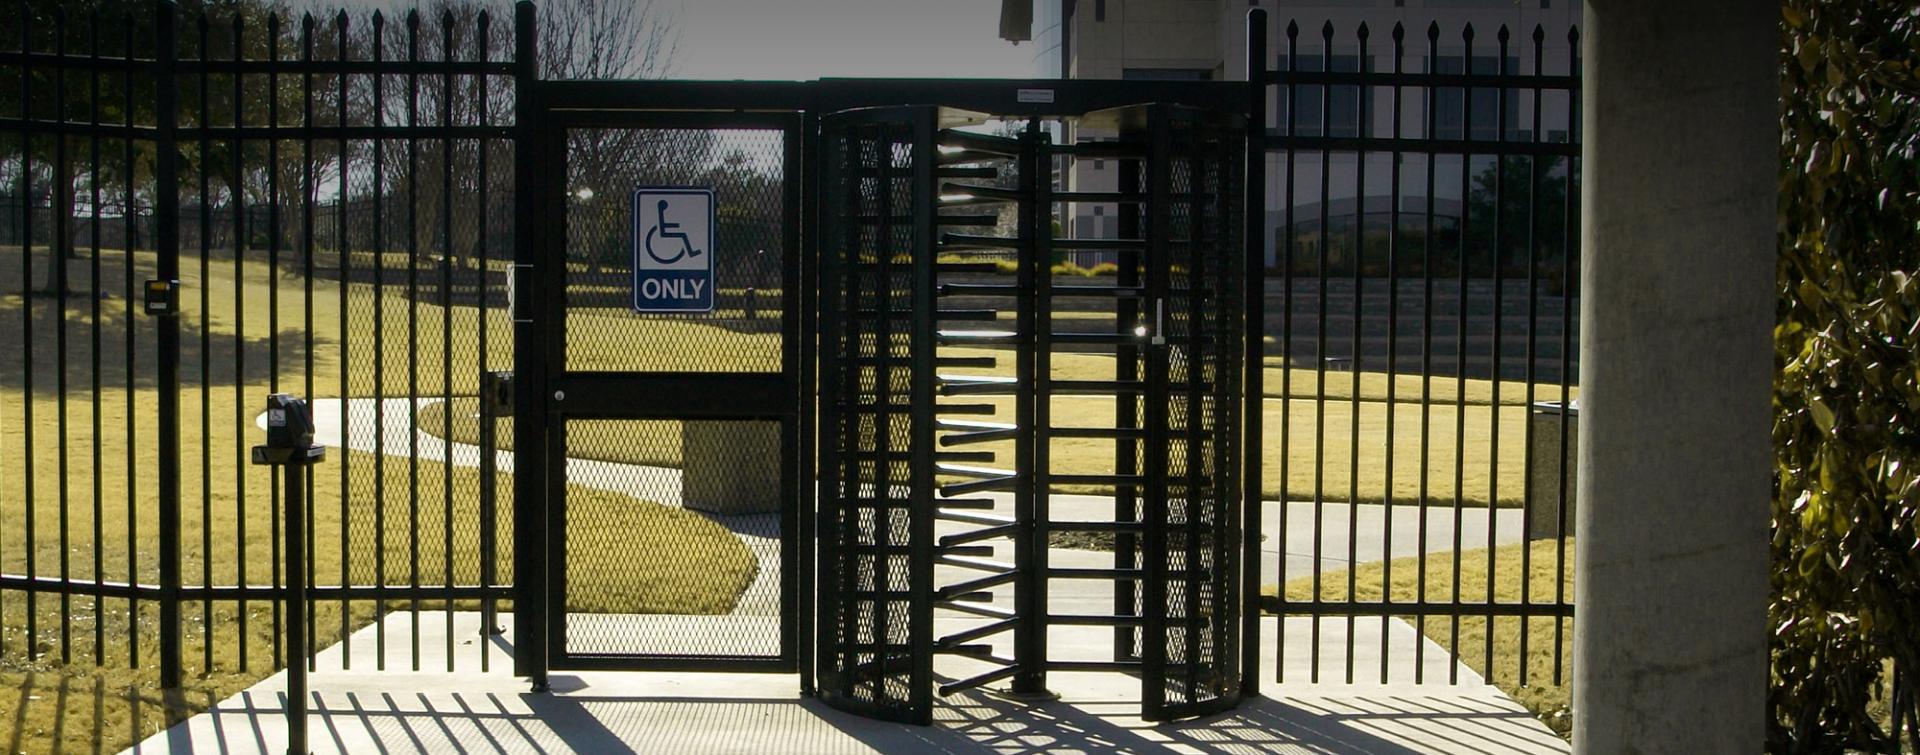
(1341, 103)
(1450, 103)
(1099, 10)
(1099, 164)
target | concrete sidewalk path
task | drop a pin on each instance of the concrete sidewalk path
(364, 711)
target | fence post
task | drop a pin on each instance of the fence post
(529, 427)
(167, 252)
(1254, 388)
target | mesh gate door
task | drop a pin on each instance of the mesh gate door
(671, 437)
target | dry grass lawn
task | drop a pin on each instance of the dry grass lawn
(378, 520)
(1543, 693)
(368, 343)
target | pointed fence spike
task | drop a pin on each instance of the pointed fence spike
(1539, 34)
(1363, 31)
(1502, 36)
(1326, 31)
(1399, 32)
(1433, 31)
(1293, 26)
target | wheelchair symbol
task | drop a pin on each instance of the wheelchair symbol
(668, 230)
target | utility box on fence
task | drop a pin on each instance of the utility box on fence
(730, 467)
(1548, 460)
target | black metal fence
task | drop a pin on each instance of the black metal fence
(326, 194)
(1423, 285)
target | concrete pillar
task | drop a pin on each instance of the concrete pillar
(1682, 152)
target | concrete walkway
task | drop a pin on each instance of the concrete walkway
(364, 711)
(1357, 710)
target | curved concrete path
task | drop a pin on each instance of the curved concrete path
(386, 426)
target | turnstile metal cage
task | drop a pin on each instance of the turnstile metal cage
(935, 524)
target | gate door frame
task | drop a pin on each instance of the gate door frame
(548, 395)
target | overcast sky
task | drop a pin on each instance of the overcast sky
(808, 39)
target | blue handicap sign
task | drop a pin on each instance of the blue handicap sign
(673, 235)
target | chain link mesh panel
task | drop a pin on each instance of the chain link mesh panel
(672, 539)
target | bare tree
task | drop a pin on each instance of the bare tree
(607, 39)
(577, 39)
(611, 39)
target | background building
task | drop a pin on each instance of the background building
(1206, 40)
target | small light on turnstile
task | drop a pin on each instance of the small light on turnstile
(955, 197)
(1140, 330)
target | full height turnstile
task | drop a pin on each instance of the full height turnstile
(964, 384)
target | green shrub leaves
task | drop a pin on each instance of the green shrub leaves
(1846, 577)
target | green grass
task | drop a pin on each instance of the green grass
(1547, 700)
(109, 706)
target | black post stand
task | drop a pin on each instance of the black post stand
(290, 446)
